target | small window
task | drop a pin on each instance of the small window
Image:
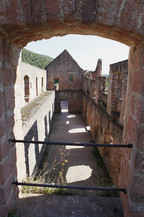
(56, 83)
(42, 85)
(36, 86)
(26, 88)
(70, 77)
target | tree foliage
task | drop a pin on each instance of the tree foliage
(38, 60)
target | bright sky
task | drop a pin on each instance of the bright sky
(86, 50)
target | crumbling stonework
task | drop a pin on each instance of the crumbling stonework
(66, 77)
(104, 112)
(117, 90)
(64, 71)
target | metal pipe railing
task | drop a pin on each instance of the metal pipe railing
(72, 144)
(71, 187)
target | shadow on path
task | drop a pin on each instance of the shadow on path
(72, 166)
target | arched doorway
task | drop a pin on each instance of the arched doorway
(64, 105)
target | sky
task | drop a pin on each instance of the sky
(86, 50)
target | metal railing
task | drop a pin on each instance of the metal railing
(72, 144)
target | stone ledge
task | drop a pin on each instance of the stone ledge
(34, 105)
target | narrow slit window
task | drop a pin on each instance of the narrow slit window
(71, 78)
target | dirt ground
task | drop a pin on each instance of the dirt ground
(71, 166)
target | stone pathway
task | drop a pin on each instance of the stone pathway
(72, 166)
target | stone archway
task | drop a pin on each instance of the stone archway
(24, 21)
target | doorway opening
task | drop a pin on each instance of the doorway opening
(64, 106)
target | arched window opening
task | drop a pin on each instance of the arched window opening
(56, 83)
(42, 85)
(26, 88)
(36, 86)
(71, 77)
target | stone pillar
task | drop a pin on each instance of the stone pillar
(132, 164)
(92, 89)
(99, 68)
(98, 87)
(123, 97)
(7, 150)
(111, 100)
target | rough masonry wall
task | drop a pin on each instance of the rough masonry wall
(74, 98)
(9, 55)
(104, 131)
(25, 21)
(36, 75)
(65, 69)
(36, 119)
(132, 167)
(117, 90)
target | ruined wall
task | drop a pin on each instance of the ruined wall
(68, 73)
(74, 98)
(36, 119)
(117, 90)
(104, 111)
(9, 55)
(105, 131)
(36, 75)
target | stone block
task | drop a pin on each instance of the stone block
(7, 167)
(132, 129)
(140, 141)
(140, 111)
(10, 98)
(3, 103)
(4, 148)
(138, 163)
(5, 192)
(7, 77)
(137, 84)
(3, 127)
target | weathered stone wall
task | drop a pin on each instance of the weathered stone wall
(105, 131)
(36, 119)
(9, 55)
(74, 98)
(117, 90)
(64, 69)
(25, 69)
(132, 172)
(22, 22)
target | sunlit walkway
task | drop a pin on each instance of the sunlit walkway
(75, 165)
(71, 165)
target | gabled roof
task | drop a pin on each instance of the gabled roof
(64, 57)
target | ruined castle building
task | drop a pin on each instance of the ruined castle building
(64, 72)
(66, 76)
(98, 69)
(25, 21)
